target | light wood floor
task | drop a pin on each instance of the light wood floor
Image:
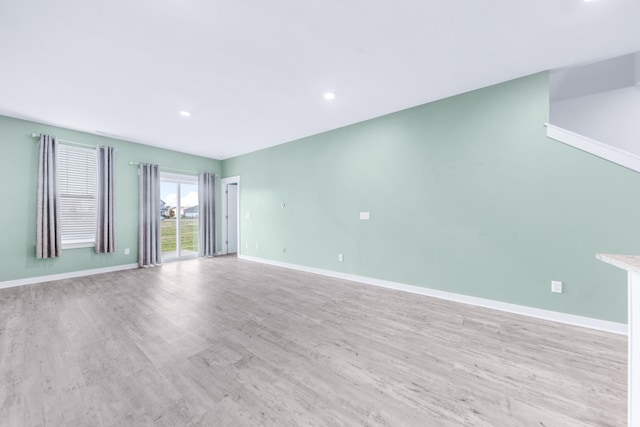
(229, 342)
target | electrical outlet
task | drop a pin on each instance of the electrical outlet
(556, 287)
(246, 245)
(127, 251)
(340, 257)
(257, 245)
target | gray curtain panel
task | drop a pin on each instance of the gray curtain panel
(106, 221)
(48, 232)
(207, 213)
(150, 250)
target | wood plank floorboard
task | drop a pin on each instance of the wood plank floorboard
(227, 342)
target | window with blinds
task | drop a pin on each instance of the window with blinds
(77, 184)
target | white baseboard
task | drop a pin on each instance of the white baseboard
(62, 276)
(555, 316)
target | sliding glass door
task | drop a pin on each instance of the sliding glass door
(179, 214)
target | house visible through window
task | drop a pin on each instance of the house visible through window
(77, 186)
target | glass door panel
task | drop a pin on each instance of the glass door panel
(168, 219)
(189, 219)
(179, 216)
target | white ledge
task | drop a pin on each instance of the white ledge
(591, 146)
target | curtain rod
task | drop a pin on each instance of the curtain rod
(79, 144)
(169, 169)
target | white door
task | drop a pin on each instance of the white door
(232, 218)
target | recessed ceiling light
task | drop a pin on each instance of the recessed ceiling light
(185, 113)
(329, 96)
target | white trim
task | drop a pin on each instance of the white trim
(76, 244)
(62, 276)
(591, 146)
(180, 178)
(569, 319)
(223, 183)
(633, 356)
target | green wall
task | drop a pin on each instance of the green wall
(466, 195)
(18, 173)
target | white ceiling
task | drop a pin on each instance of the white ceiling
(253, 72)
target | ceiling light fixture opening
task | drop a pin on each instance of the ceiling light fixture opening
(329, 96)
(185, 113)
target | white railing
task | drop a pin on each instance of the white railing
(591, 146)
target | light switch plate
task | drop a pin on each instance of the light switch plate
(364, 216)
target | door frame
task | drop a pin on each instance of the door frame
(225, 223)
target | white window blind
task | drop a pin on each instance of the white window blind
(77, 185)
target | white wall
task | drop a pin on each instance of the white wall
(611, 117)
(601, 76)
